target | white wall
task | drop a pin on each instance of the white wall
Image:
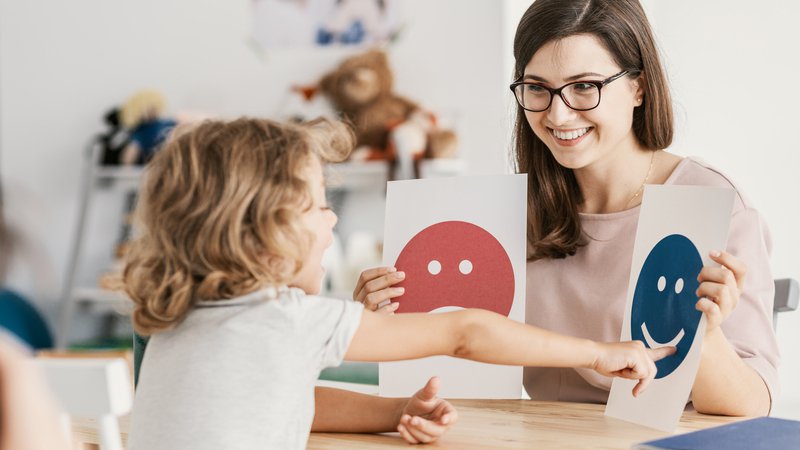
(63, 64)
(732, 66)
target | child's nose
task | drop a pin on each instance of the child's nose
(334, 219)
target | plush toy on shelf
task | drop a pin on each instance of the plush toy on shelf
(114, 140)
(387, 126)
(304, 102)
(142, 116)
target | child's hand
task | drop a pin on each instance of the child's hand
(720, 288)
(426, 417)
(630, 360)
(374, 289)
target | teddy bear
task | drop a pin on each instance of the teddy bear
(387, 126)
(142, 115)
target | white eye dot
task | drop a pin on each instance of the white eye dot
(662, 283)
(434, 267)
(679, 286)
(465, 267)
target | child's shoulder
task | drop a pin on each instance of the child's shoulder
(319, 302)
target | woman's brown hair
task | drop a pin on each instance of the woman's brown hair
(554, 228)
(219, 214)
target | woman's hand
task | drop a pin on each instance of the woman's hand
(630, 360)
(426, 417)
(720, 288)
(375, 289)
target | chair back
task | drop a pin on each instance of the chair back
(98, 388)
(787, 294)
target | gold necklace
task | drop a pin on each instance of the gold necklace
(646, 177)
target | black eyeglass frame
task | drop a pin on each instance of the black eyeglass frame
(558, 91)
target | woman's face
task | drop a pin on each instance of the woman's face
(319, 220)
(578, 139)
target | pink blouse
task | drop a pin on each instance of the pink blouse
(584, 295)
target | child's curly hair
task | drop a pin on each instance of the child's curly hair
(219, 214)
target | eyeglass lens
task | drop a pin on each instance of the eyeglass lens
(580, 96)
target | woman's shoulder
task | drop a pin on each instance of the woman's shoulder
(694, 171)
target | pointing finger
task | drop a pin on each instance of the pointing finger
(660, 353)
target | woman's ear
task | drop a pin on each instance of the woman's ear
(638, 84)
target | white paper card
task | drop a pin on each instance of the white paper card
(461, 242)
(678, 227)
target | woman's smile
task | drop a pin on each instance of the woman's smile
(570, 137)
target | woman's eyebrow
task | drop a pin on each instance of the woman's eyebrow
(570, 78)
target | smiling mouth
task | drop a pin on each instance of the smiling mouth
(652, 343)
(570, 135)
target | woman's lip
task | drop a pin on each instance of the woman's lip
(570, 142)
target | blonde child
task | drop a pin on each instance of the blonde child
(224, 277)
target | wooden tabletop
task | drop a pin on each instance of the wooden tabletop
(512, 424)
(525, 424)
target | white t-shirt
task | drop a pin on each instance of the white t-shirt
(240, 373)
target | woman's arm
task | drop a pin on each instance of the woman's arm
(488, 337)
(725, 385)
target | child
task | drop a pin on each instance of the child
(29, 419)
(234, 223)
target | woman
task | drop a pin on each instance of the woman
(588, 157)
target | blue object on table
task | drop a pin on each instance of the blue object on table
(21, 319)
(763, 433)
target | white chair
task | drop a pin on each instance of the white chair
(787, 293)
(97, 389)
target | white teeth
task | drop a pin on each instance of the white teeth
(570, 135)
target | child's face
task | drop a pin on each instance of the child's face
(320, 220)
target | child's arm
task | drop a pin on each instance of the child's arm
(489, 337)
(422, 418)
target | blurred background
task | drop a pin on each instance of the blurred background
(65, 65)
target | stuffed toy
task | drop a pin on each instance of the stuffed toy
(114, 140)
(387, 126)
(304, 103)
(142, 116)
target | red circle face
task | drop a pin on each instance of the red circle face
(455, 264)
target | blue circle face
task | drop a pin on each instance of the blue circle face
(663, 311)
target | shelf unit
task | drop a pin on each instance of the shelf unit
(72, 296)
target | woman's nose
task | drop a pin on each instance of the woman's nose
(559, 113)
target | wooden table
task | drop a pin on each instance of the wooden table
(526, 424)
(513, 424)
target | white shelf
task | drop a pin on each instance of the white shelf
(130, 173)
(353, 175)
(103, 297)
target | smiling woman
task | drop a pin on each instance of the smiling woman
(594, 119)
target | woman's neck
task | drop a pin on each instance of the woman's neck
(616, 182)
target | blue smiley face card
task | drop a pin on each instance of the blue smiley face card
(678, 227)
